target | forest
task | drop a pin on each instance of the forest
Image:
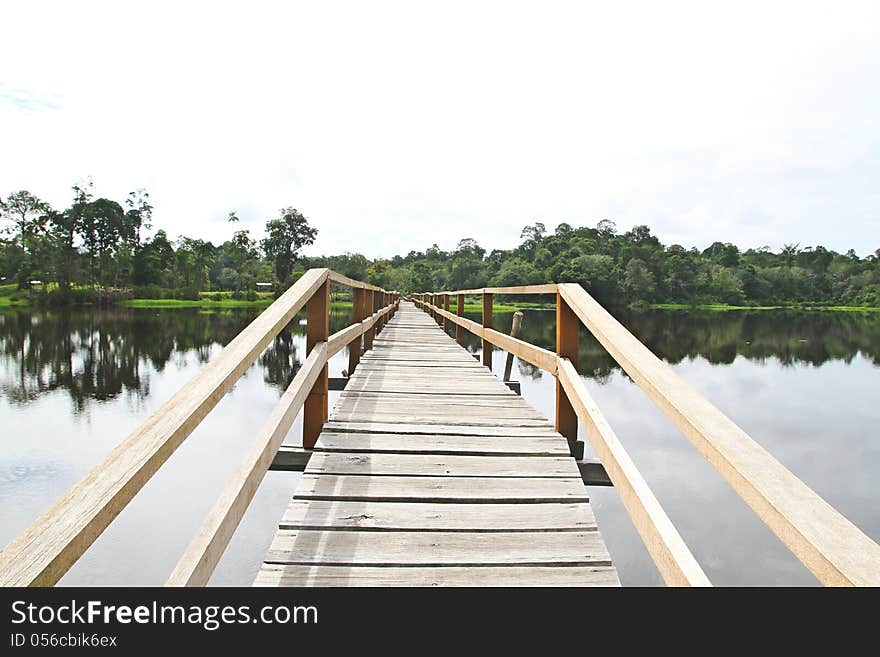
(98, 248)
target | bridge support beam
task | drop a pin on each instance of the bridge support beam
(487, 323)
(459, 310)
(567, 324)
(358, 314)
(315, 409)
(370, 305)
(446, 308)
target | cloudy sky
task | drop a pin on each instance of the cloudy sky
(396, 125)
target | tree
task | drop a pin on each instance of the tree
(284, 239)
(532, 236)
(639, 281)
(28, 214)
(138, 215)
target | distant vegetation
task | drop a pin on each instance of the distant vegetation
(96, 250)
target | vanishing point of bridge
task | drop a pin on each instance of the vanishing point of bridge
(429, 470)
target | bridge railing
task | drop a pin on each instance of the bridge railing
(46, 549)
(830, 546)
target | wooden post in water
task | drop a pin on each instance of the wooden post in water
(317, 330)
(487, 323)
(514, 331)
(358, 314)
(446, 308)
(369, 302)
(459, 310)
(566, 347)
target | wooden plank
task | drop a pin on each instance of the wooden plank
(427, 517)
(305, 546)
(449, 429)
(47, 548)
(439, 465)
(443, 419)
(483, 490)
(440, 444)
(287, 575)
(834, 549)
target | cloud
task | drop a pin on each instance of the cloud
(394, 125)
(22, 99)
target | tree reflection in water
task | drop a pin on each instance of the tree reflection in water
(97, 355)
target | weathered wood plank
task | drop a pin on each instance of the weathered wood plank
(438, 465)
(418, 516)
(440, 444)
(416, 576)
(450, 429)
(524, 490)
(305, 546)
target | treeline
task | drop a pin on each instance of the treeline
(101, 244)
(633, 267)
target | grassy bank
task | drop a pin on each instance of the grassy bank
(11, 296)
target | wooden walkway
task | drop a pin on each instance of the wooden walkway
(430, 472)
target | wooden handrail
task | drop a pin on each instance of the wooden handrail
(204, 552)
(52, 543)
(834, 549)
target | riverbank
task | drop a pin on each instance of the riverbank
(13, 297)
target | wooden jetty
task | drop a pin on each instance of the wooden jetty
(430, 471)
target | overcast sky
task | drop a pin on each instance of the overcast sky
(394, 126)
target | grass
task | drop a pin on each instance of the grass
(12, 297)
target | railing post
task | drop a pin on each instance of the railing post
(459, 310)
(370, 308)
(317, 330)
(487, 323)
(446, 308)
(358, 314)
(566, 347)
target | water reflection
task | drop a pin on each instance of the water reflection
(95, 356)
(789, 337)
(802, 384)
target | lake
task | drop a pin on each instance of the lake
(74, 383)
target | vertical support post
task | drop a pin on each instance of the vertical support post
(487, 323)
(514, 331)
(459, 310)
(446, 308)
(378, 306)
(566, 347)
(317, 330)
(368, 306)
(358, 313)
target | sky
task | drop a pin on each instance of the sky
(393, 126)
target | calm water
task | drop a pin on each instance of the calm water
(73, 384)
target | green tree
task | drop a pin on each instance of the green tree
(284, 239)
(27, 212)
(639, 281)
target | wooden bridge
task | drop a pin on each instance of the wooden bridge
(430, 471)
